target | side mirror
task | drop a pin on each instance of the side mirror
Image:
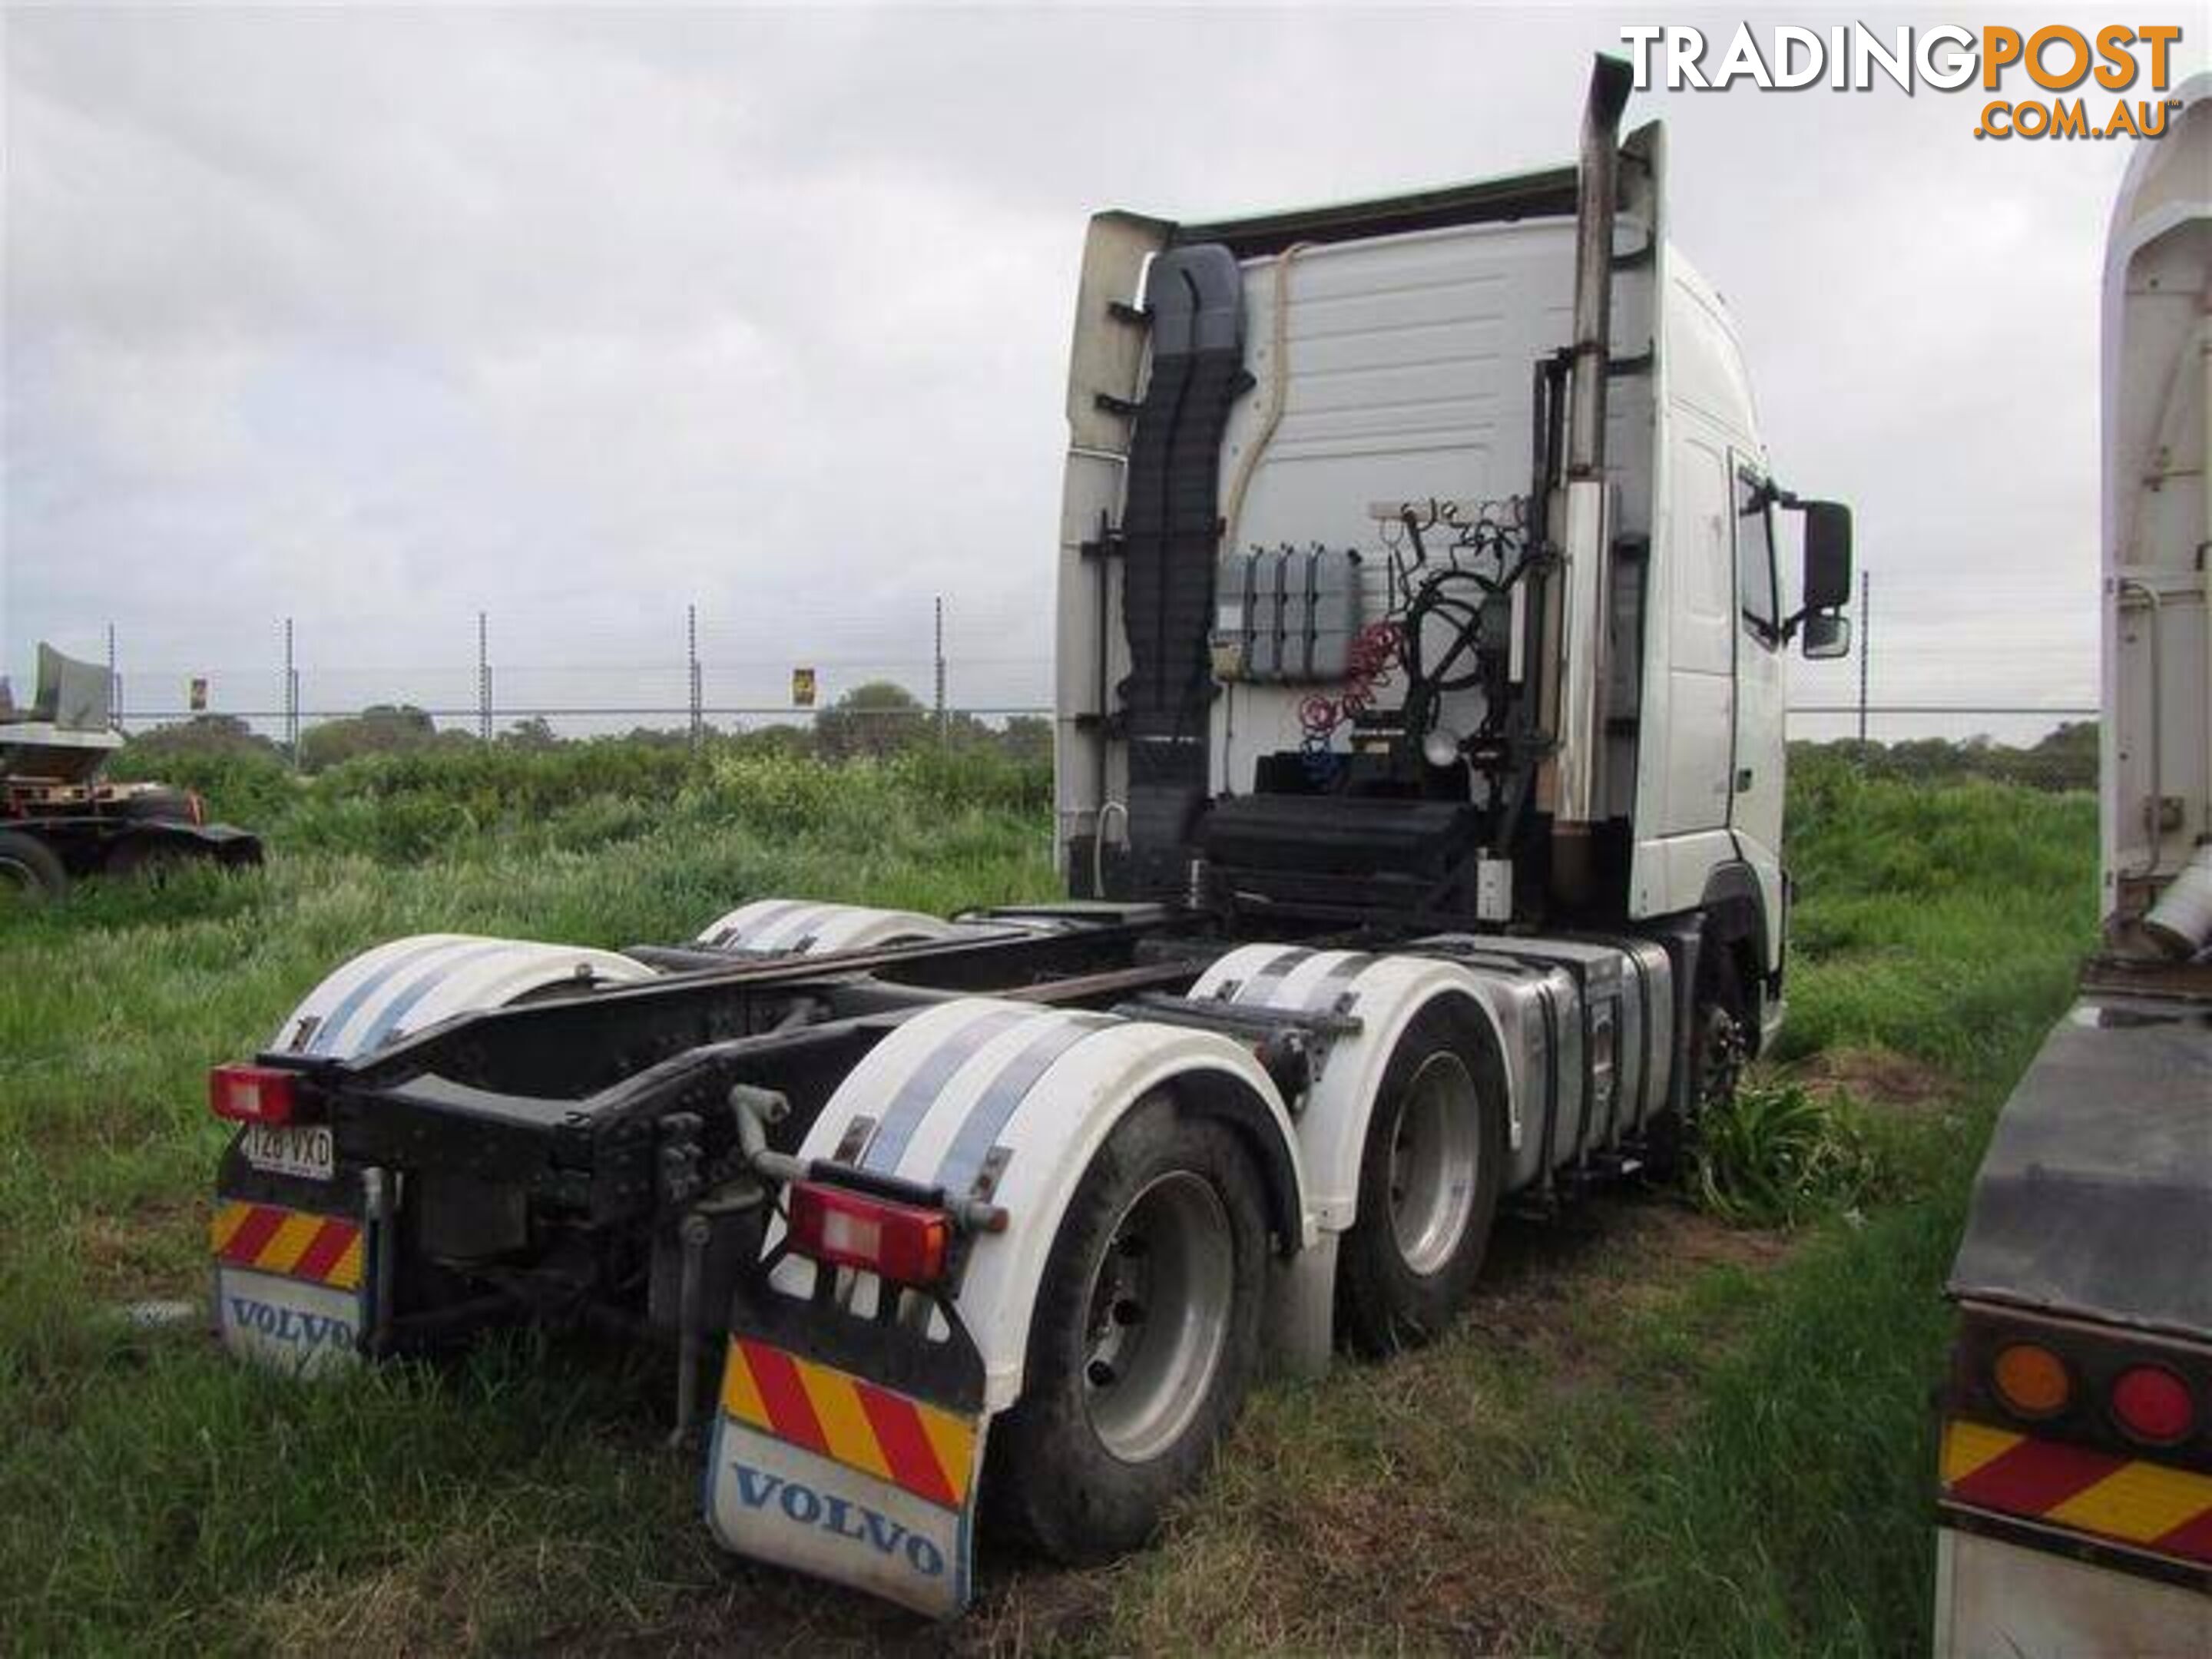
(1827, 556)
(1825, 634)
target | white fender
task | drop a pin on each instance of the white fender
(805, 928)
(382, 994)
(1387, 993)
(976, 1078)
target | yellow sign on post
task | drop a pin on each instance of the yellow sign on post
(802, 687)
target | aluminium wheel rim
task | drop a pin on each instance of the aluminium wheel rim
(1720, 1057)
(1436, 1162)
(1158, 1315)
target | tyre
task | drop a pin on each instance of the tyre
(1430, 1175)
(1719, 1042)
(1720, 1034)
(30, 871)
(1146, 1341)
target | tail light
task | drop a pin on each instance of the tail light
(195, 807)
(252, 1094)
(904, 1242)
(2150, 1403)
(2031, 1380)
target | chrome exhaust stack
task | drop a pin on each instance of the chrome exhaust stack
(1580, 611)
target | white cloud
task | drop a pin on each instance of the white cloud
(375, 319)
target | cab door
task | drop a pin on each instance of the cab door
(1756, 785)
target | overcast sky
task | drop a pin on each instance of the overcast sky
(376, 319)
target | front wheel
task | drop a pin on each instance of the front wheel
(1430, 1177)
(1146, 1339)
(1718, 1048)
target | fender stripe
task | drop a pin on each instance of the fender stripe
(1337, 981)
(387, 1023)
(326, 1034)
(926, 1081)
(768, 912)
(1272, 974)
(987, 1118)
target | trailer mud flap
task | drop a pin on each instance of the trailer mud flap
(849, 1450)
(291, 1287)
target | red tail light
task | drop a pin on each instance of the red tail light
(251, 1094)
(904, 1242)
(2152, 1404)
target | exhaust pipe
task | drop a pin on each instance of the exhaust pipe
(1579, 653)
(1595, 193)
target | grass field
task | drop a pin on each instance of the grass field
(1655, 1433)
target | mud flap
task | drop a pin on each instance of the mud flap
(849, 1449)
(291, 1287)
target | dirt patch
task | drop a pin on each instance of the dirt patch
(1878, 1077)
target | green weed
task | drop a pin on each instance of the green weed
(1777, 1155)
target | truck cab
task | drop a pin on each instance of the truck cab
(1419, 563)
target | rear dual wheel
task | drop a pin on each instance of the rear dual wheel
(1430, 1178)
(1146, 1341)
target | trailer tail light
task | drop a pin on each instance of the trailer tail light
(2151, 1404)
(2031, 1380)
(195, 806)
(251, 1094)
(902, 1242)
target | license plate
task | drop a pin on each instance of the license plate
(292, 1149)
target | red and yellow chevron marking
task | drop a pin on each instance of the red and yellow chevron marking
(2135, 1502)
(929, 1452)
(321, 1248)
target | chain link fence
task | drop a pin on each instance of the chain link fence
(838, 704)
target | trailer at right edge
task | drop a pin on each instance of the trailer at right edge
(2074, 1514)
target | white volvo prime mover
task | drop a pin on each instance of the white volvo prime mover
(1421, 647)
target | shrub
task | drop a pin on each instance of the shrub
(1778, 1155)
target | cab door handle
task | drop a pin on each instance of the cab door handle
(1743, 781)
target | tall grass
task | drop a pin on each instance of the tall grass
(1792, 1514)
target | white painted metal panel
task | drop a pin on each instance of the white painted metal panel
(2157, 765)
(1995, 1600)
(1046, 1085)
(407, 984)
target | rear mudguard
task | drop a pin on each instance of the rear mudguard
(777, 927)
(851, 1446)
(1386, 994)
(1008, 1102)
(410, 983)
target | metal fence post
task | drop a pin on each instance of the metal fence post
(939, 652)
(291, 699)
(691, 659)
(1866, 644)
(114, 684)
(483, 676)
